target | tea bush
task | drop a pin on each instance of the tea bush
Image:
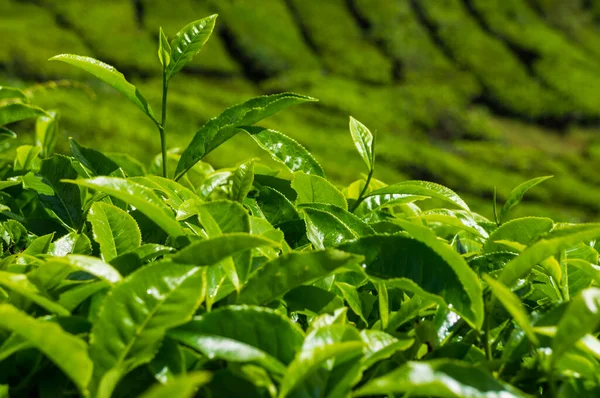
(266, 279)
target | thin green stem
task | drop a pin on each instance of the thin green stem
(495, 208)
(161, 127)
(361, 197)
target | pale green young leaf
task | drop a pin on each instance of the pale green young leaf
(554, 242)
(95, 161)
(12, 93)
(188, 42)
(285, 150)
(314, 189)
(323, 229)
(350, 294)
(581, 317)
(363, 140)
(521, 230)
(46, 131)
(381, 345)
(421, 188)
(109, 75)
(136, 314)
(184, 386)
(242, 177)
(26, 158)
(516, 195)
(19, 283)
(91, 265)
(137, 195)
(114, 229)
(513, 305)
(223, 127)
(164, 49)
(442, 378)
(16, 112)
(68, 352)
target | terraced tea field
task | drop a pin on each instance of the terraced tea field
(472, 94)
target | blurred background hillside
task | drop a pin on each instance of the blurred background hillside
(471, 94)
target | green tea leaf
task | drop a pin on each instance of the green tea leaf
(16, 112)
(12, 92)
(26, 158)
(114, 229)
(243, 177)
(581, 317)
(441, 378)
(399, 256)
(169, 361)
(93, 160)
(285, 150)
(184, 386)
(323, 229)
(164, 49)
(46, 131)
(221, 128)
(381, 345)
(421, 188)
(136, 314)
(188, 42)
(516, 195)
(67, 351)
(91, 265)
(211, 251)
(315, 189)
(267, 337)
(557, 240)
(363, 140)
(351, 221)
(139, 196)
(279, 276)
(109, 75)
(513, 305)
(66, 201)
(174, 193)
(521, 230)
(351, 296)
(19, 283)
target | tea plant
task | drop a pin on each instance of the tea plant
(260, 282)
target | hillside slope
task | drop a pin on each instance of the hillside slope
(473, 94)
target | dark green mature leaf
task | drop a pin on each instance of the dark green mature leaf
(266, 338)
(211, 251)
(221, 128)
(315, 189)
(67, 351)
(513, 305)
(184, 386)
(139, 196)
(16, 112)
(137, 313)
(557, 240)
(521, 230)
(188, 42)
(46, 131)
(421, 188)
(242, 177)
(168, 362)
(581, 317)
(109, 75)
(114, 229)
(276, 208)
(363, 139)
(281, 275)
(285, 150)
(164, 49)
(6, 134)
(399, 256)
(440, 378)
(66, 201)
(93, 160)
(516, 195)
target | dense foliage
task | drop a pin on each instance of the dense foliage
(263, 281)
(481, 93)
